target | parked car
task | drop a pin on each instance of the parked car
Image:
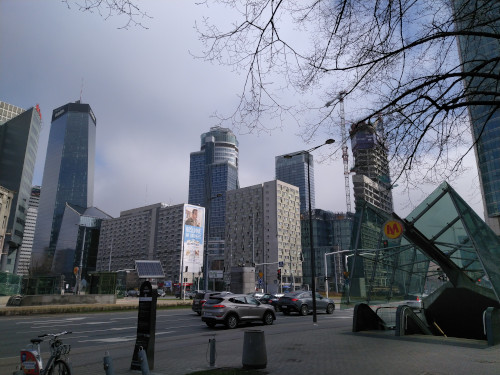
(132, 293)
(257, 295)
(271, 299)
(160, 292)
(191, 293)
(301, 302)
(232, 309)
(415, 301)
(201, 297)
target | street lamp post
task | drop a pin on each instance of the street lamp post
(313, 256)
(207, 223)
(79, 274)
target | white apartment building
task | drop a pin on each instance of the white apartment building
(263, 230)
(29, 232)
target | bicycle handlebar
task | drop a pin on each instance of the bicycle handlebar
(55, 334)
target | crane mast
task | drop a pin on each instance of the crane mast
(345, 154)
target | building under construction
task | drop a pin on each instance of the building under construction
(371, 181)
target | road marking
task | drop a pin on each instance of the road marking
(111, 339)
(122, 338)
(104, 330)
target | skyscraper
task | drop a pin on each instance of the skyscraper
(372, 181)
(18, 148)
(479, 48)
(213, 171)
(293, 171)
(68, 176)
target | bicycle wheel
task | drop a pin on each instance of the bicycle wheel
(60, 368)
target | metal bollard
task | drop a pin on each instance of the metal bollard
(143, 359)
(108, 364)
(212, 351)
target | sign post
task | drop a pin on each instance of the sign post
(146, 326)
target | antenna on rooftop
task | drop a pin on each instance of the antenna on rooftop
(81, 91)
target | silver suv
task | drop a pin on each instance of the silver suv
(201, 297)
(235, 308)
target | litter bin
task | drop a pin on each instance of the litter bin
(254, 349)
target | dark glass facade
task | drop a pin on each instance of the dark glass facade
(18, 148)
(68, 176)
(483, 16)
(78, 242)
(332, 233)
(213, 171)
(294, 171)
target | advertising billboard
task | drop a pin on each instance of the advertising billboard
(193, 238)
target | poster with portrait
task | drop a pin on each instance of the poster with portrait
(193, 238)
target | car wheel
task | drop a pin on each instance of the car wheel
(268, 318)
(231, 321)
(286, 312)
(210, 324)
(330, 308)
(304, 310)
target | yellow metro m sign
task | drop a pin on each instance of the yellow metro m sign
(393, 229)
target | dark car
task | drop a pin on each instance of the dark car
(302, 303)
(232, 309)
(132, 293)
(201, 297)
(270, 299)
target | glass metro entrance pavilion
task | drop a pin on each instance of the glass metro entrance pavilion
(440, 276)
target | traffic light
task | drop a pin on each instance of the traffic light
(385, 243)
(279, 274)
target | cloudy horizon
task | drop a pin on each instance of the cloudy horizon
(153, 100)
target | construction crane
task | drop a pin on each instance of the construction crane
(345, 154)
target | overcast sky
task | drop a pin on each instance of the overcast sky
(152, 101)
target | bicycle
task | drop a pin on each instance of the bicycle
(31, 358)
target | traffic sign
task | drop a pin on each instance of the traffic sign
(280, 264)
(393, 229)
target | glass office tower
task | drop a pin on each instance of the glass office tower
(18, 149)
(482, 53)
(293, 171)
(213, 171)
(68, 177)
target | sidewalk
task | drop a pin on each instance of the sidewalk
(323, 349)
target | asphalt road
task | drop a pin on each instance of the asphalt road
(93, 334)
